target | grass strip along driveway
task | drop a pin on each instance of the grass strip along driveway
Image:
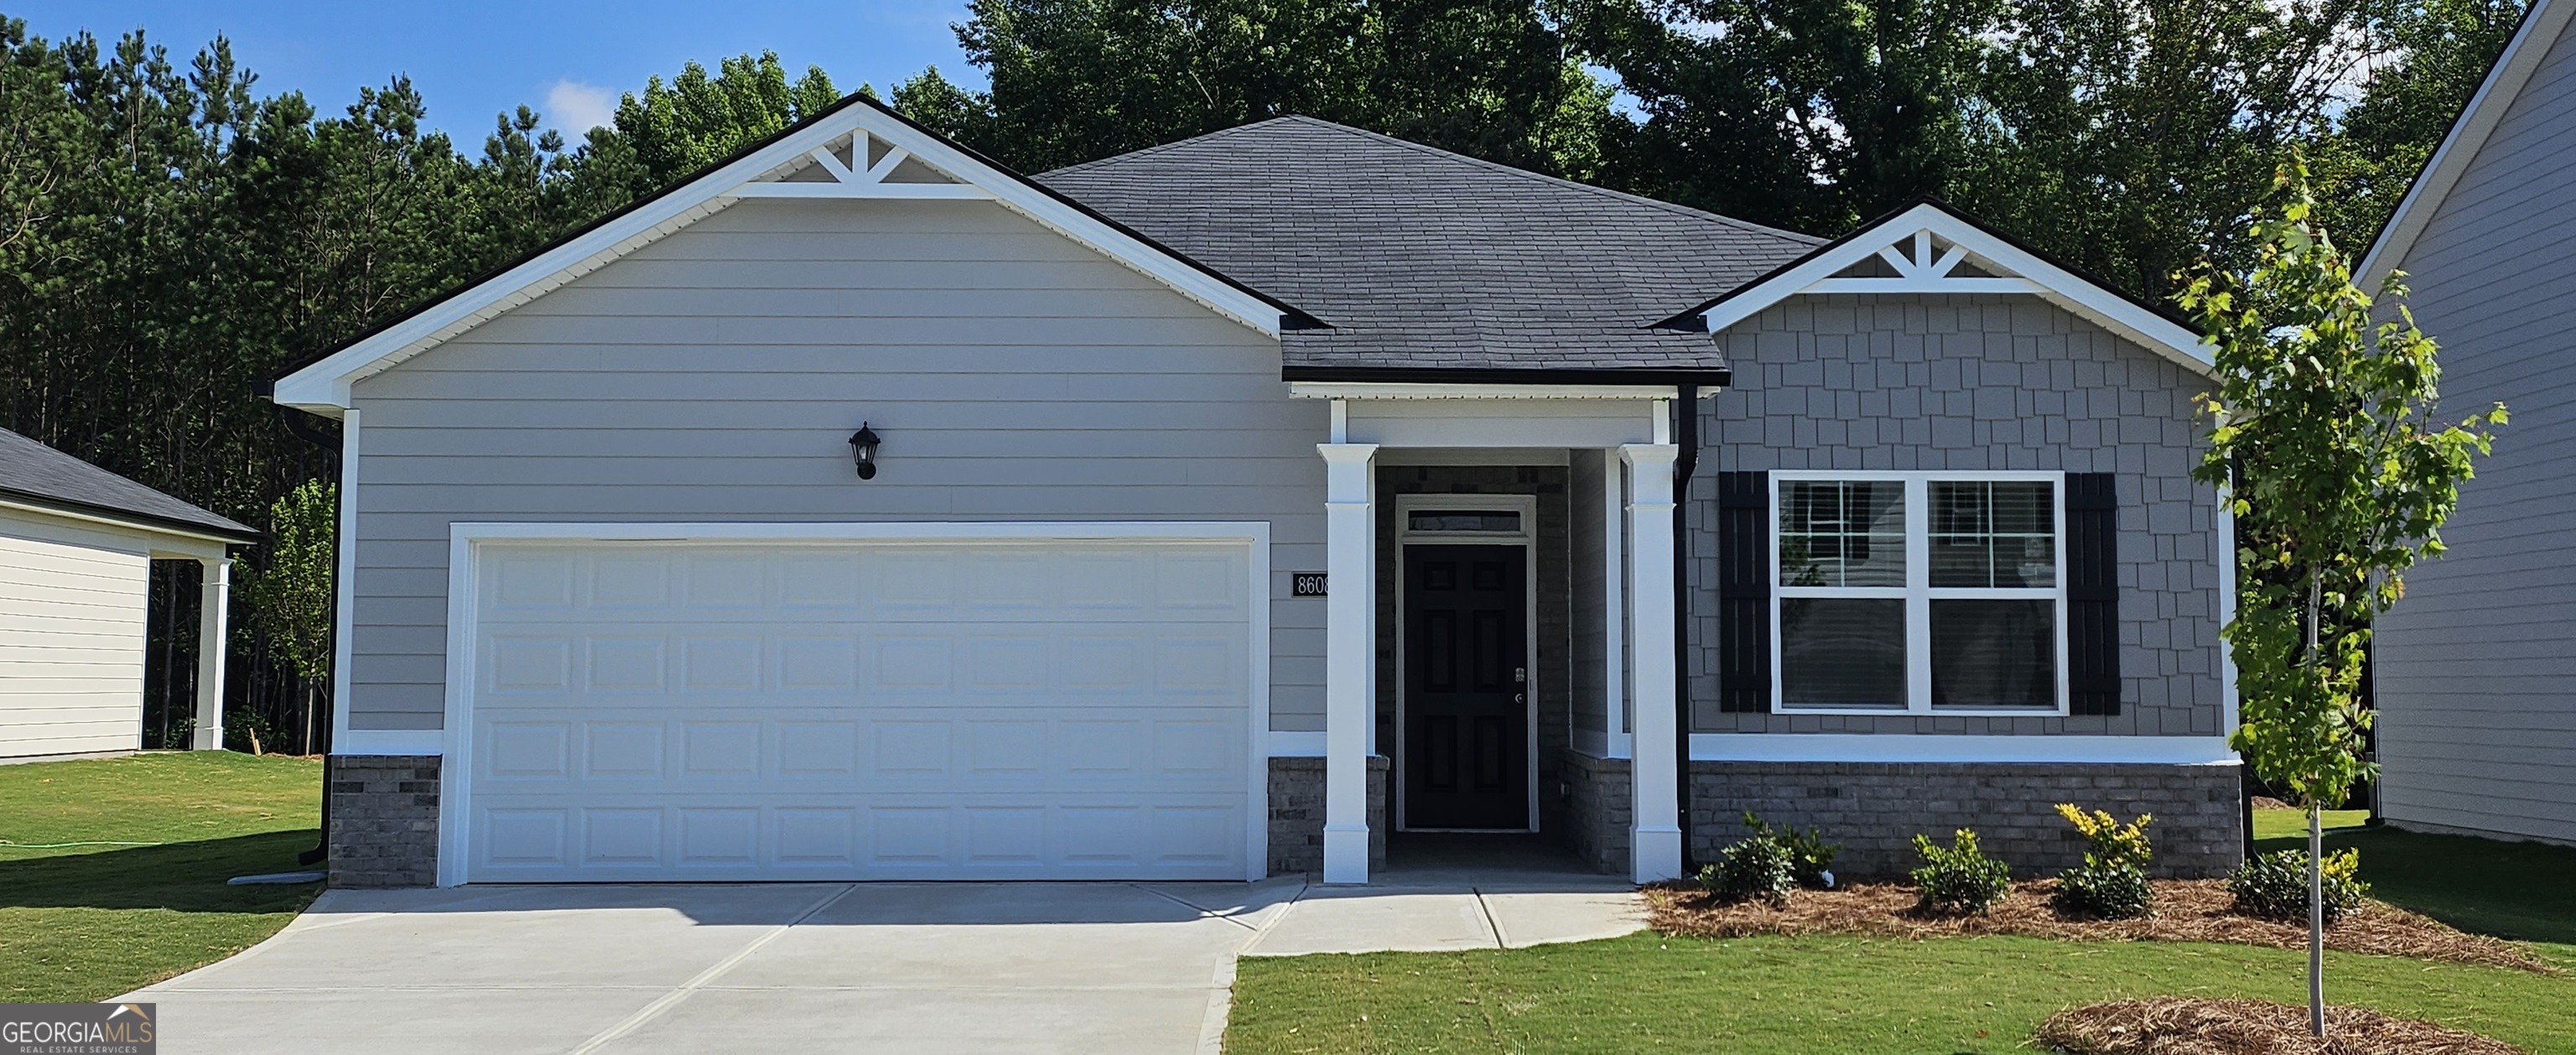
(1863, 995)
(112, 870)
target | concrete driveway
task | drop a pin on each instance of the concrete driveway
(949, 967)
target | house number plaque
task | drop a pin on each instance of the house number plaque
(1305, 584)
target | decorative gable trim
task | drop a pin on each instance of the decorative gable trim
(1932, 249)
(856, 149)
(2542, 25)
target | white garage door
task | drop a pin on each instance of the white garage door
(1005, 710)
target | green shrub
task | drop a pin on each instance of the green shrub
(2274, 886)
(2115, 892)
(1811, 858)
(1756, 868)
(2112, 881)
(1958, 879)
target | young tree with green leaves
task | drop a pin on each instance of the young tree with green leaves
(291, 598)
(2325, 446)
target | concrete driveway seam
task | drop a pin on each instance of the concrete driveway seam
(1203, 911)
(1492, 924)
(707, 977)
(1221, 987)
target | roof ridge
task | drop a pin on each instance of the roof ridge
(1174, 144)
(1449, 155)
(1541, 177)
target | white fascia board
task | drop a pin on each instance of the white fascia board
(2034, 275)
(155, 533)
(1904, 747)
(2522, 55)
(1392, 390)
(323, 387)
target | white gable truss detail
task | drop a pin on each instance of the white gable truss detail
(2541, 27)
(855, 151)
(1933, 250)
(846, 171)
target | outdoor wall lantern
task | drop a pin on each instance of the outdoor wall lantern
(863, 451)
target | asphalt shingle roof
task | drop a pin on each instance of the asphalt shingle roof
(1417, 258)
(31, 470)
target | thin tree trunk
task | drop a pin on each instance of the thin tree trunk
(2316, 921)
(2316, 848)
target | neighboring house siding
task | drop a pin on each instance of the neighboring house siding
(715, 374)
(2476, 676)
(1985, 382)
(72, 620)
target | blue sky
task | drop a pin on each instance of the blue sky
(473, 59)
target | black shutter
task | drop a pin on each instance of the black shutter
(1744, 593)
(2092, 594)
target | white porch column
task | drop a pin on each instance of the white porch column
(1350, 655)
(215, 599)
(1657, 839)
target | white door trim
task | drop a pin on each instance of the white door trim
(465, 540)
(1527, 539)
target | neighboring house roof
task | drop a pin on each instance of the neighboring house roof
(1422, 261)
(855, 149)
(32, 474)
(1930, 248)
(2541, 27)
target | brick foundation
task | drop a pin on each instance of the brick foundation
(1874, 810)
(1599, 809)
(384, 820)
(1297, 815)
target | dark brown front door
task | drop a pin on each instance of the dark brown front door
(1466, 679)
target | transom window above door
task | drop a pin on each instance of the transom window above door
(1928, 592)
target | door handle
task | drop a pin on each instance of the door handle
(1520, 698)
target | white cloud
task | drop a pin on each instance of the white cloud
(577, 108)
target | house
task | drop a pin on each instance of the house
(864, 509)
(2477, 720)
(76, 549)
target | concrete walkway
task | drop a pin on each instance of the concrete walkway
(930, 968)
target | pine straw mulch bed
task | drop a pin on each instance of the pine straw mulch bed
(2173, 1025)
(2186, 910)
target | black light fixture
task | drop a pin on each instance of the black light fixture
(863, 451)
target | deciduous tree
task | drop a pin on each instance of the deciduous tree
(2325, 443)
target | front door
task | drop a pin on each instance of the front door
(1466, 684)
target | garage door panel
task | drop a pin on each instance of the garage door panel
(560, 749)
(861, 711)
(888, 840)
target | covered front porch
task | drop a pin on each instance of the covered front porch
(1507, 664)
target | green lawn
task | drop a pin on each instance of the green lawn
(81, 923)
(2525, 891)
(1851, 996)
(1864, 995)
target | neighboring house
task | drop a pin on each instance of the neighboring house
(2474, 675)
(76, 549)
(1240, 501)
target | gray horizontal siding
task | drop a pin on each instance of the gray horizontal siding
(2476, 681)
(715, 375)
(1993, 382)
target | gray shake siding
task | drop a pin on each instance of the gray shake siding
(1587, 549)
(715, 374)
(2476, 677)
(1984, 382)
